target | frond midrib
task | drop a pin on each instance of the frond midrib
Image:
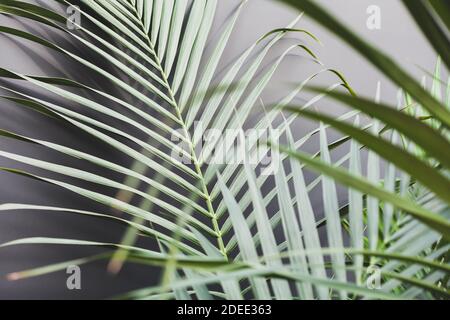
(196, 162)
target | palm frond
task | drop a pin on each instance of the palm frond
(236, 230)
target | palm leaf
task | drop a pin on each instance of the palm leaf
(226, 230)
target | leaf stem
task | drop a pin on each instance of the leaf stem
(195, 160)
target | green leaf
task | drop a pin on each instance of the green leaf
(431, 219)
(431, 28)
(432, 141)
(428, 176)
(380, 60)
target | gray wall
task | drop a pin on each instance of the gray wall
(398, 36)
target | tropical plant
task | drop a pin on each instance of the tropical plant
(237, 230)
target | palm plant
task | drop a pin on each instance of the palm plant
(228, 230)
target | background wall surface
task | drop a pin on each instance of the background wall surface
(398, 36)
